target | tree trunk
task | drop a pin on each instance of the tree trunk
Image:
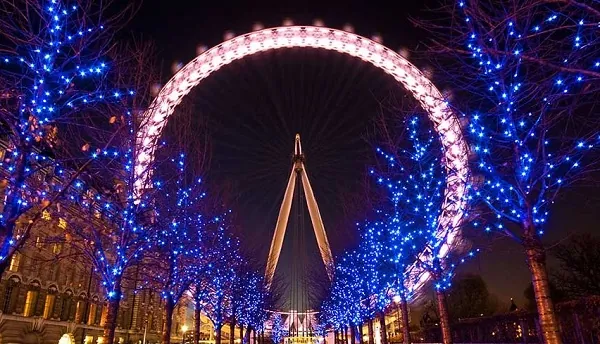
(360, 333)
(444, 318)
(383, 328)
(197, 323)
(218, 333)
(254, 336)
(524, 329)
(352, 334)
(111, 315)
(169, 307)
(336, 333)
(247, 335)
(262, 337)
(232, 331)
(241, 334)
(405, 324)
(536, 259)
(578, 332)
(371, 334)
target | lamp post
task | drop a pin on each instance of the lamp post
(145, 332)
(184, 329)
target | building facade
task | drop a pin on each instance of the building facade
(43, 298)
(50, 292)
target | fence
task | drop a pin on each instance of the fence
(579, 322)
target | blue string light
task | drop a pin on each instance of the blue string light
(525, 152)
(57, 74)
(368, 278)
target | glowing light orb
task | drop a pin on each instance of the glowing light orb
(444, 120)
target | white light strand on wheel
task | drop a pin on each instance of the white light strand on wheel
(445, 121)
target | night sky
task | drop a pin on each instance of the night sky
(254, 107)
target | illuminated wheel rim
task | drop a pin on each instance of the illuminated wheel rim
(445, 121)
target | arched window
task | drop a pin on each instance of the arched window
(104, 315)
(31, 299)
(9, 294)
(93, 309)
(80, 308)
(30, 302)
(66, 305)
(49, 302)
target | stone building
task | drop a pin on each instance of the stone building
(43, 298)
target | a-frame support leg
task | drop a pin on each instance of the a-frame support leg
(282, 221)
(319, 228)
(284, 215)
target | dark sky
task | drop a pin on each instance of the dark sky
(255, 106)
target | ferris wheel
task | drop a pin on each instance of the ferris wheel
(342, 42)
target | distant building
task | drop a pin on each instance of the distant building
(513, 307)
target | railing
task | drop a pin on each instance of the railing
(579, 322)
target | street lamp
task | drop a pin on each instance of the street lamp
(184, 329)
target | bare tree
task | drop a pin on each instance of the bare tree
(579, 260)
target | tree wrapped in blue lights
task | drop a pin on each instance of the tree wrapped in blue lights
(379, 270)
(277, 328)
(221, 274)
(375, 274)
(56, 77)
(400, 244)
(118, 230)
(178, 251)
(343, 307)
(256, 299)
(248, 300)
(526, 74)
(414, 180)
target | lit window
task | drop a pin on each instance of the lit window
(78, 310)
(49, 305)
(56, 248)
(38, 242)
(46, 215)
(62, 223)
(103, 316)
(14, 262)
(30, 303)
(92, 314)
